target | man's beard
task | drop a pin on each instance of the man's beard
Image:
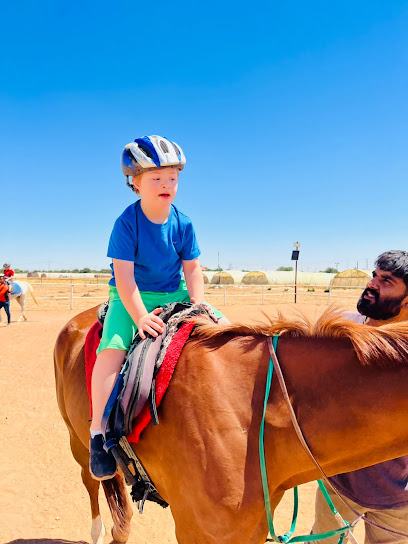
(379, 309)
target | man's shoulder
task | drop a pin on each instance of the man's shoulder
(354, 316)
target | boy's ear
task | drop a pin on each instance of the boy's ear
(136, 183)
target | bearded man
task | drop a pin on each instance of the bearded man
(380, 491)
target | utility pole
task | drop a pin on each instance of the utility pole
(295, 257)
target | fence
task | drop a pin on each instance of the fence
(221, 295)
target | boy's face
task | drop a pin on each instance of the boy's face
(158, 186)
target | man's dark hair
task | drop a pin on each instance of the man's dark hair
(396, 262)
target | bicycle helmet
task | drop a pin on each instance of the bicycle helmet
(151, 152)
(6, 265)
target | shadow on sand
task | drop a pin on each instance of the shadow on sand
(45, 541)
(49, 541)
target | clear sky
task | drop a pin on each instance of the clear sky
(292, 115)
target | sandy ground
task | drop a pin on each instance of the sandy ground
(42, 499)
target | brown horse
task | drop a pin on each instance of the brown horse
(348, 387)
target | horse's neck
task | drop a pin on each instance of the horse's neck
(338, 402)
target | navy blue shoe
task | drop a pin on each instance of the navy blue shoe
(101, 463)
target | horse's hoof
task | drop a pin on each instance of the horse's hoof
(117, 537)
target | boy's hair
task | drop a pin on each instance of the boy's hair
(396, 262)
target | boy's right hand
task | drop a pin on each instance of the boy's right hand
(150, 323)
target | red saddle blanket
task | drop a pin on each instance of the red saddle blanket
(162, 379)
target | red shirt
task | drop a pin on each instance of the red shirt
(3, 291)
(8, 273)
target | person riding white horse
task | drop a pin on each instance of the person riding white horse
(8, 272)
(19, 290)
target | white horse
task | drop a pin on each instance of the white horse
(20, 295)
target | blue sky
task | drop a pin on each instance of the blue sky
(292, 115)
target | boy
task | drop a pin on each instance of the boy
(151, 242)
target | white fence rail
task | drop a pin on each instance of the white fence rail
(261, 295)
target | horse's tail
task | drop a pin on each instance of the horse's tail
(32, 293)
(121, 511)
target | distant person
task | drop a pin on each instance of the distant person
(379, 491)
(8, 272)
(4, 297)
(151, 243)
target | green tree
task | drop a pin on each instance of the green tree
(284, 268)
(330, 270)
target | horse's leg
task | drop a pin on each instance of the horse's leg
(21, 302)
(120, 507)
(116, 495)
(23, 297)
(81, 456)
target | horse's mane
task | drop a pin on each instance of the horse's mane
(386, 345)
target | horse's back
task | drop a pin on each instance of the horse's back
(72, 336)
(70, 378)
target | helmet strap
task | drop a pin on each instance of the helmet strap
(130, 184)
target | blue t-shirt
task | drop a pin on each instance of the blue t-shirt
(157, 250)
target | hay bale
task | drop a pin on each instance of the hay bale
(33, 275)
(205, 278)
(350, 278)
(255, 278)
(222, 278)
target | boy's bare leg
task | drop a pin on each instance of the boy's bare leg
(107, 367)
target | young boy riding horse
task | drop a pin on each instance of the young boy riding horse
(151, 243)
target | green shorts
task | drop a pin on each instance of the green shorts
(119, 328)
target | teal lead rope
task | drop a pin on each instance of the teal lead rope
(287, 537)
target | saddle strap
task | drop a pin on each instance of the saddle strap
(135, 474)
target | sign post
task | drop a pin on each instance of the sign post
(295, 257)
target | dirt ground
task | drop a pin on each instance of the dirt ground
(42, 499)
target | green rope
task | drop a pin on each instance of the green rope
(287, 537)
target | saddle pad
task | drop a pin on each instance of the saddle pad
(162, 379)
(16, 289)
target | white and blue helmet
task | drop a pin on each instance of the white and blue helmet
(151, 152)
